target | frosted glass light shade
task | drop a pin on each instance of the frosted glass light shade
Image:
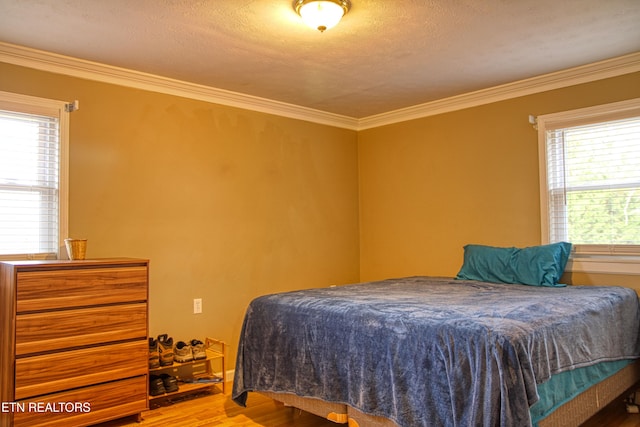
(321, 15)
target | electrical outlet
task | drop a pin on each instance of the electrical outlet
(197, 305)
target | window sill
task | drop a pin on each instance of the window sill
(603, 264)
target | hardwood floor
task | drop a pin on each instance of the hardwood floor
(219, 410)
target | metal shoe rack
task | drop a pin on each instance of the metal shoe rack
(205, 375)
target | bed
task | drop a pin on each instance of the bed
(431, 351)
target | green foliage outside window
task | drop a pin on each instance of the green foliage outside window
(603, 184)
(606, 216)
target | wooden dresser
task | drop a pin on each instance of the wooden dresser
(73, 349)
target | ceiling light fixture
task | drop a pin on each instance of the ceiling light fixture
(321, 14)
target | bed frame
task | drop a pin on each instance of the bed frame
(572, 413)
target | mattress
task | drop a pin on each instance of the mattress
(416, 349)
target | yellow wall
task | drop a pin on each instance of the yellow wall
(227, 204)
(429, 186)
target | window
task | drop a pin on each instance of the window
(590, 180)
(33, 175)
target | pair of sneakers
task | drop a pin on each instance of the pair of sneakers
(160, 351)
(189, 351)
(163, 353)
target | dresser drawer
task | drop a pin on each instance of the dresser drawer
(104, 401)
(56, 289)
(54, 372)
(55, 330)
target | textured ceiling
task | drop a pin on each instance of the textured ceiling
(384, 55)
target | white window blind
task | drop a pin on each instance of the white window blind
(591, 193)
(32, 188)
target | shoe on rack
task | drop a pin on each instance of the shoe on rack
(182, 352)
(156, 386)
(170, 382)
(197, 348)
(165, 350)
(154, 356)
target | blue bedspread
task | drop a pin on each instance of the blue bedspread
(431, 351)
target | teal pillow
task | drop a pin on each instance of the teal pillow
(536, 265)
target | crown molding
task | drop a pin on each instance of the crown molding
(60, 64)
(572, 76)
